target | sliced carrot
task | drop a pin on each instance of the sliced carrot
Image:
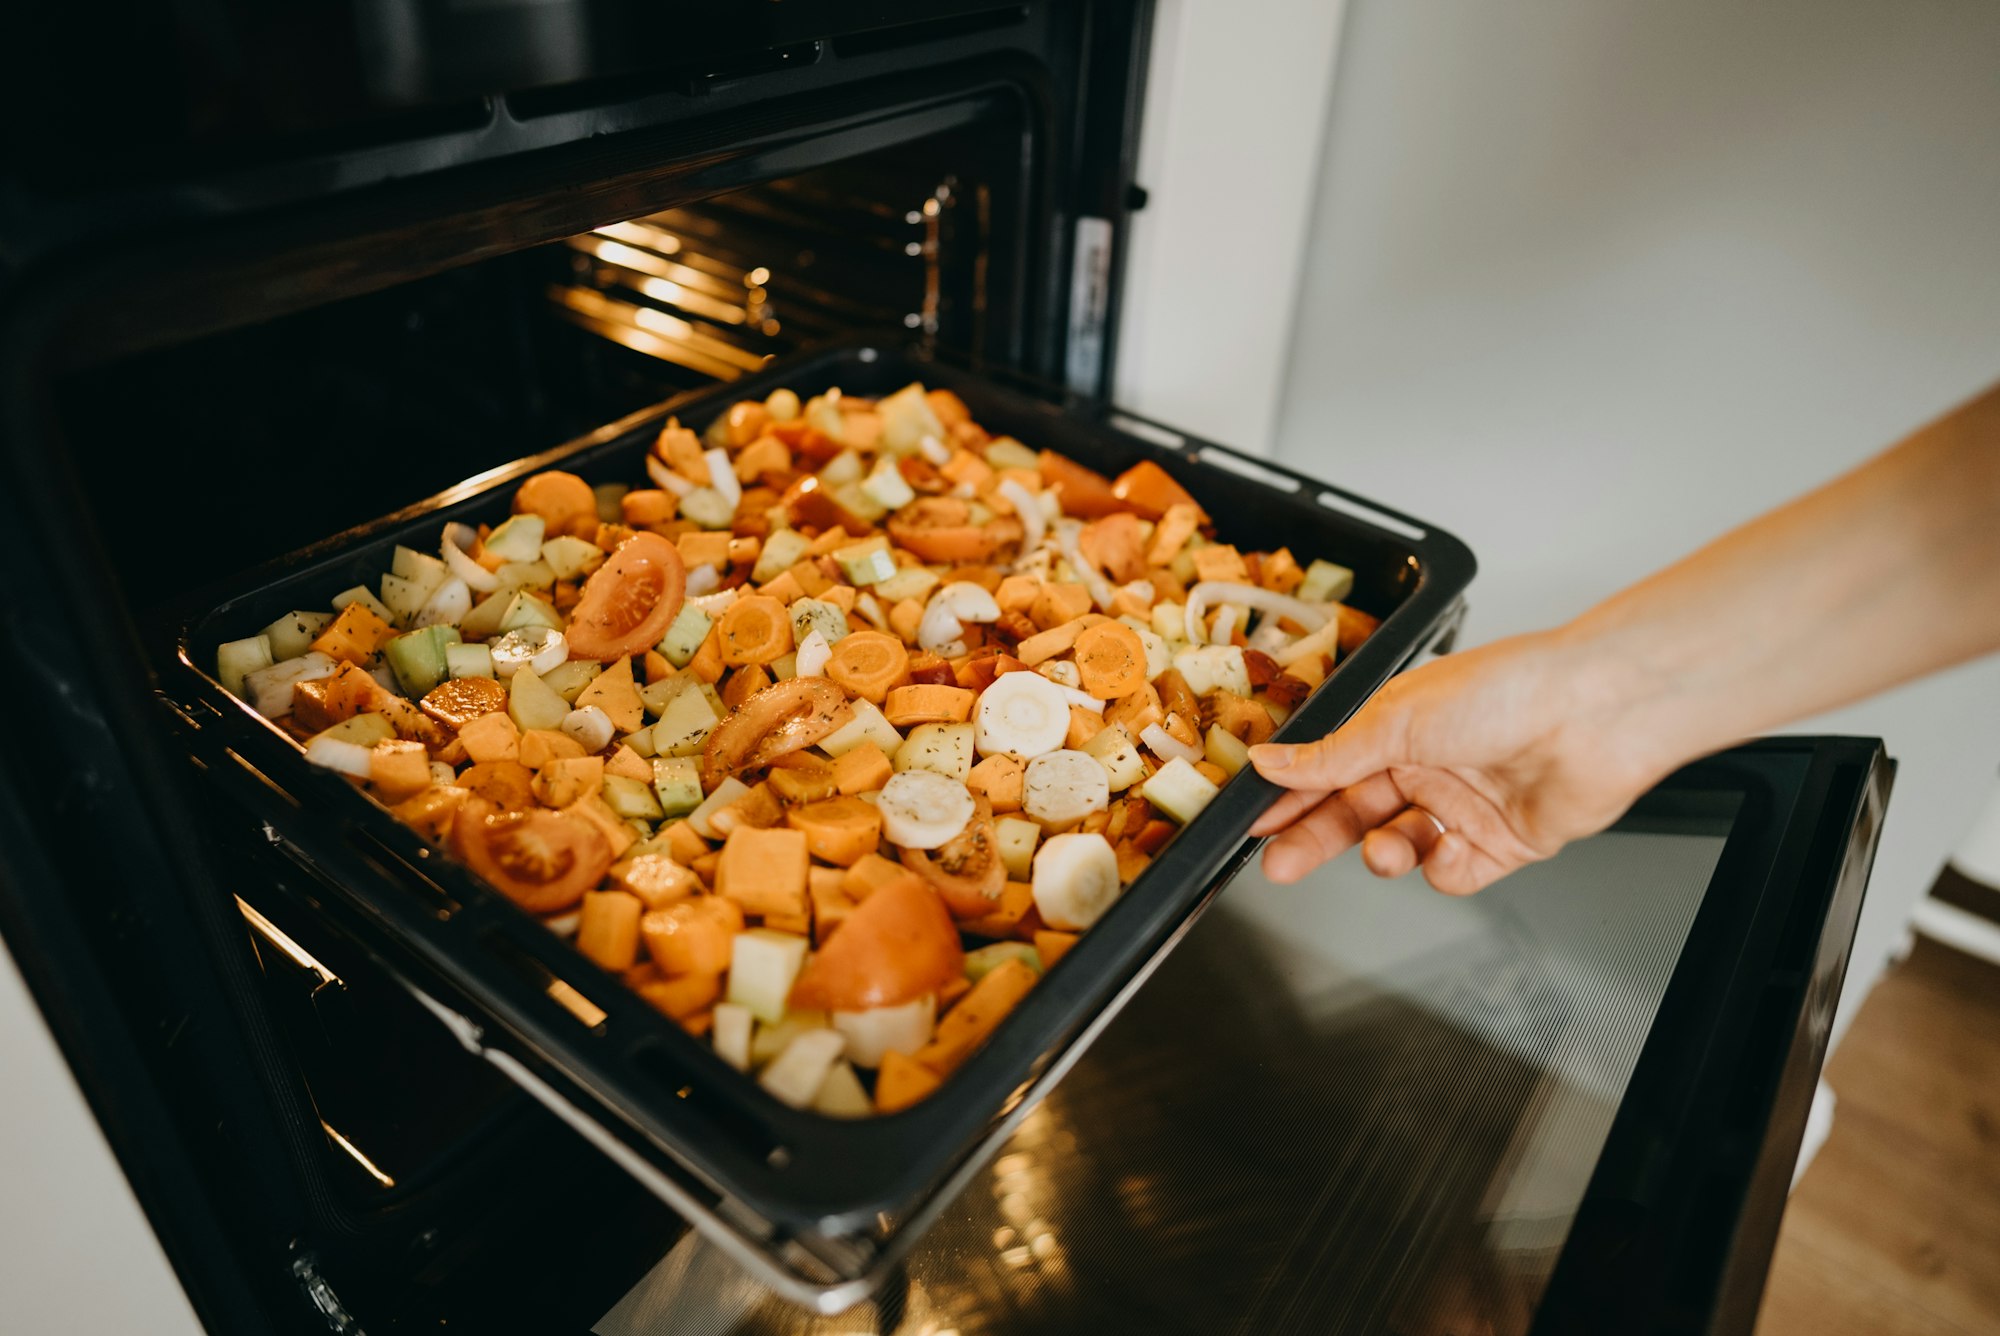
(1151, 490)
(840, 830)
(1111, 659)
(928, 705)
(563, 500)
(755, 630)
(868, 664)
(901, 1082)
(862, 770)
(1053, 946)
(1016, 902)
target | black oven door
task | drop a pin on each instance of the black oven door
(1569, 1104)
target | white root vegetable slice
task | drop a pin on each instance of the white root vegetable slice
(1075, 881)
(1022, 713)
(1064, 786)
(900, 1029)
(591, 727)
(702, 579)
(538, 647)
(922, 809)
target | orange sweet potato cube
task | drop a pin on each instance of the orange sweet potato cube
(869, 872)
(399, 769)
(765, 871)
(656, 879)
(492, 737)
(608, 928)
(862, 770)
(684, 843)
(539, 746)
(1052, 946)
(1005, 918)
(1059, 603)
(355, 635)
(902, 1081)
(830, 901)
(1000, 779)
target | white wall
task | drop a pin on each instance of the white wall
(1589, 281)
(1229, 150)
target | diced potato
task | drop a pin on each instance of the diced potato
(571, 557)
(631, 798)
(944, 749)
(910, 582)
(867, 725)
(468, 660)
(532, 703)
(684, 726)
(1179, 790)
(878, 1031)
(1017, 839)
(270, 690)
(676, 784)
(1214, 667)
(770, 1040)
(784, 549)
(1119, 755)
(841, 1094)
(363, 730)
(795, 1076)
(1325, 582)
(762, 966)
(568, 678)
(1226, 749)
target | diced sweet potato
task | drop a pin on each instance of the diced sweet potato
(966, 1026)
(430, 813)
(840, 830)
(862, 770)
(1053, 946)
(616, 831)
(683, 996)
(1220, 562)
(1176, 526)
(693, 936)
(764, 871)
(901, 1082)
(492, 737)
(564, 781)
(830, 901)
(1017, 593)
(869, 872)
(1083, 726)
(755, 810)
(608, 928)
(1005, 918)
(539, 746)
(399, 769)
(656, 879)
(508, 785)
(1059, 603)
(999, 778)
(1045, 645)
(355, 636)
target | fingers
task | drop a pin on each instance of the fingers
(1456, 866)
(1289, 807)
(1400, 844)
(1328, 828)
(1349, 754)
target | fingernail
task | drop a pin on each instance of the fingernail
(1271, 756)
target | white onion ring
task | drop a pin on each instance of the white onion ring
(1093, 579)
(940, 630)
(701, 580)
(1078, 696)
(722, 477)
(665, 478)
(1309, 615)
(464, 567)
(968, 602)
(1167, 746)
(1326, 640)
(936, 451)
(1030, 510)
(716, 604)
(812, 656)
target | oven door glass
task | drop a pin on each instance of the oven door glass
(1358, 1106)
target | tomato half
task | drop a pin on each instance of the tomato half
(894, 947)
(780, 719)
(541, 860)
(631, 600)
(967, 870)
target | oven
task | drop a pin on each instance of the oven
(270, 277)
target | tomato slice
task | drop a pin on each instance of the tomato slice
(541, 860)
(782, 718)
(967, 871)
(892, 948)
(630, 601)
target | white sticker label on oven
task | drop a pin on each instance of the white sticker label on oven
(1089, 304)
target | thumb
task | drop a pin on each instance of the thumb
(1357, 749)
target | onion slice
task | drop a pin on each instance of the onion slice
(1167, 746)
(1326, 640)
(1093, 579)
(813, 653)
(1028, 508)
(936, 451)
(1309, 615)
(665, 478)
(722, 477)
(464, 567)
(702, 579)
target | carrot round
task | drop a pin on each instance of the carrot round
(1111, 659)
(756, 629)
(868, 663)
(563, 500)
(927, 704)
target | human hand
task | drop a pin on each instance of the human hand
(1515, 748)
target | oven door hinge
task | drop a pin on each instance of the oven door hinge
(305, 1270)
(1089, 305)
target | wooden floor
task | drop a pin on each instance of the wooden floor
(1895, 1229)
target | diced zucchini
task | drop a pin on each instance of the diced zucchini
(795, 1076)
(943, 749)
(1114, 749)
(630, 798)
(525, 610)
(866, 562)
(727, 792)
(269, 690)
(1226, 749)
(684, 725)
(907, 417)
(535, 574)
(364, 730)
(533, 703)
(292, 634)
(886, 486)
(771, 1040)
(483, 622)
(980, 963)
(519, 539)
(676, 784)
(784, 549)
(910, 582)
(708, 508)
(1214, 667)
(1004, 452)
(684, 637)
(656, 696)
(841, 1094)
(568, 678)
(1017, 840)
(236, 658)
(570, 557)
(468, 661)
(1179, 790)
(1325, 583)
(417, 567)
(810, 615)
(762, 966)
(418, 657)
(732, 1034)
(867, 725)
(365, 596)
(843, 468)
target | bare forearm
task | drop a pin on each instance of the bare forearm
(1885, 574)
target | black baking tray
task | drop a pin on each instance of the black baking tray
(818, 1207)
